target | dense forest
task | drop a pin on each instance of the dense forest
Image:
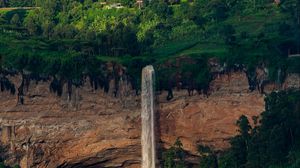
(65, 41)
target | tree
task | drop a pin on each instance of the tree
(175, 156)
(279, 132)
(161, 8)
(208, 157)
(196, 12)
(293, 8)
(31, 23)
(88, 4)
(240, 143)
(15, 20)
(47, 28)
(228, 32)
(244, 126)
(128, 3)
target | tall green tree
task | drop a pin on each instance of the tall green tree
(15, 20)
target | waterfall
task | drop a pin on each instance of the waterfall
(148, 118)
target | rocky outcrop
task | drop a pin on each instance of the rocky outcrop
(97, 129)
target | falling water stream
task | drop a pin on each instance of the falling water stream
(148, 118)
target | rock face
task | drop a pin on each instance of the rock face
(96, 129)
(209, 120)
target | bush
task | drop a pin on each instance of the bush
(175, 156)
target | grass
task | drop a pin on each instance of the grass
(215, 49)
(4, 11)
(195, 47)
(254, 22)
(174, 47)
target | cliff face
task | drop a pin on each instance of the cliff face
(95, 129)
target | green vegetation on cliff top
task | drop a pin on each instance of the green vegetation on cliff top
(61, 33)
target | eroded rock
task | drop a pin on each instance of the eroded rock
(103, 130)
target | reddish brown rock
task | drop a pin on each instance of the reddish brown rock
(96, 129)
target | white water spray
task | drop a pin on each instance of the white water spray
(148, 118)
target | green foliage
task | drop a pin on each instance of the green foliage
(275, 141)
(16, 3)
(237, 155)
(240, 34)
(244, 126)
(13, 17)
(175, 156)
(160, 8)
(21, 3)
(31, 23)
(134, 68)
(293, 65)
(226, 160)
(208, 157)
(15, 20)
(196, 75)
(2, 165)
